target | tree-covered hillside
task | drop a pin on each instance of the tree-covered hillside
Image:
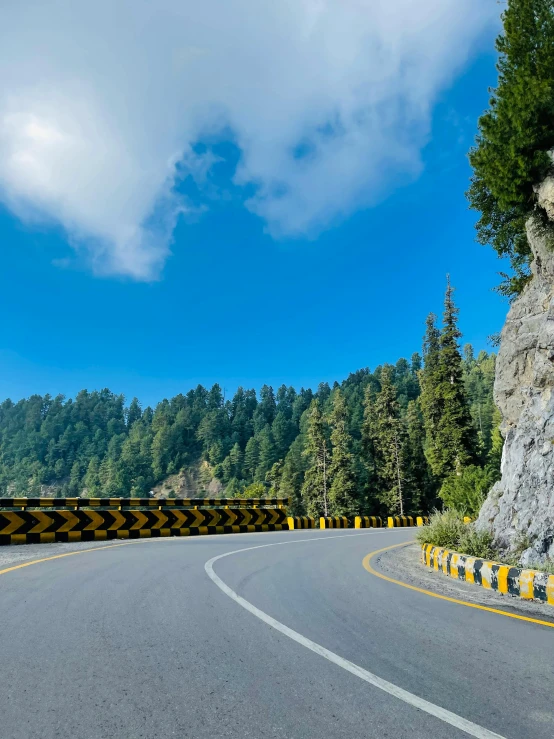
(380, 441)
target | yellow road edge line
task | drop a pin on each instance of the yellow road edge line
(109, 546)
(366, 562)
(81, 551)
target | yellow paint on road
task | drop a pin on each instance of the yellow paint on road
(366, 562)
(66, 554)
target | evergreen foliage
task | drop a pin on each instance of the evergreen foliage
(359, 445)
(344, 492)
(451, 433)
(315, 488)
(390, 445)
(515, 134)
(465, 492)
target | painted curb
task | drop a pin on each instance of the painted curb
(300, 522)
(525, 584)
(334, 522)
(394, 521)
(368, 522)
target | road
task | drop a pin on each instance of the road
(146, 640)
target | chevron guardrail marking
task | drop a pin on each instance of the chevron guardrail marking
(141, 502)
(334, 522)
(526, 584)
(300, 522)
(42, 526)
(368, 522)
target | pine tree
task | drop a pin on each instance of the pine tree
(343, 489)
(422, 486)
(267, 456)
(315, 490)
(251, 457)
(292, 477)
(92, 481)
(369, 452)
(284, 431)
(160, 452)
(451, 441)
(266, 410)
(429, 381)
(479, 381)
(134, 412)
(273, 477)
(75, 479)
(236, 460)
(515, 134)
(390, 447)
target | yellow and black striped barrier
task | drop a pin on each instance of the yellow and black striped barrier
(399, 521)
(526, 584)
(334, 522)
(368, 522)
(300, 522)
(30, 527)
(76, 503)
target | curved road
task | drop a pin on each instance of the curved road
(289, 639)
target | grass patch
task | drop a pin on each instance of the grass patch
(447, 529)
(477, 543)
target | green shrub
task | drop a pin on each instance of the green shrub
(447, 529)
(444, 529)
(476, 543)
(466, 492)
(255, 490)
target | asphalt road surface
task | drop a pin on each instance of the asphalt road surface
(289, 639)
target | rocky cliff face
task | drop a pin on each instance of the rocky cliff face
(520, 508)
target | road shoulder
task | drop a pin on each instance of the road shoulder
(404, 564)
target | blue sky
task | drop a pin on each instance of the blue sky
(240, 303)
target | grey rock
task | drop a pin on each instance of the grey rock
(520, 507)
(545, 196)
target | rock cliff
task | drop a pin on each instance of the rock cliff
(520, 507)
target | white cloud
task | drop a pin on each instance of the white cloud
(328, 100)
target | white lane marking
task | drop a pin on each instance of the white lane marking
(413, 700)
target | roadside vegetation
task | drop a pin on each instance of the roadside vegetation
(513, 153)
(402, 438)
(447, 529)
(515, 135)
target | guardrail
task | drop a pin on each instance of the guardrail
(33, 527)
(78, 503)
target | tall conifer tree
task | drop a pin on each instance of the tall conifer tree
(343, 490)
(390, 447)
(315, 489)
(451, 441)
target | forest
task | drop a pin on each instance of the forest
(405, 437)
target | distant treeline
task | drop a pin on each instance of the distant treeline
(377, 442)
